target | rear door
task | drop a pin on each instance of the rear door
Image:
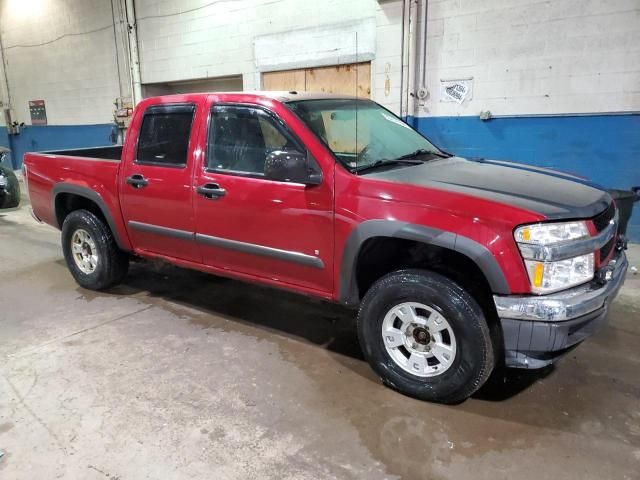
(156, 188)
(246, 223)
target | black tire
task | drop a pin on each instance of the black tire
(474, 358)
(10, 198)
(112, 263)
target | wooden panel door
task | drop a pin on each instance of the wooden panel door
(286, 80)
(353, 79)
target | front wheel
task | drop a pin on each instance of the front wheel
(91, 253)
(425, 336)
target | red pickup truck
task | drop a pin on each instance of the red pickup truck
(456, 265)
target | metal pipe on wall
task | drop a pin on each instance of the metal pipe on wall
(133, 52)
(4, 81)
(412, 58)
(413, 54)
(403, 42)
(5, 94)
(421, 52)
(407, 49)
(115, 47)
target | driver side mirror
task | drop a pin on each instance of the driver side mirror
(292, 166)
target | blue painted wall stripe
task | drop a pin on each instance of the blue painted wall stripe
(37, 138)
(602, 148)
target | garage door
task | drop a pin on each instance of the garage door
(352, 79)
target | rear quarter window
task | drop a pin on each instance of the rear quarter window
(164, 135)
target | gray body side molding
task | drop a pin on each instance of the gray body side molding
(89, 194)
(158, 230)
(253, 249)
(250, 248)
(480, 255)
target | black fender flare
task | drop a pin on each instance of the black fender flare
(89, 194)
(479, 254)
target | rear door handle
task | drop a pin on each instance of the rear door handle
(211, 190)
(137, 181)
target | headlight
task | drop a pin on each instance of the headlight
(547, 277)
(534, 241)
(551, 233)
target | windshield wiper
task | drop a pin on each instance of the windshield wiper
(385, 163)
(422, 151)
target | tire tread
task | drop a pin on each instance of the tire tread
(114, 263)
(472, 310)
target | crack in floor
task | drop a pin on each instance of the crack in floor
(35, 349)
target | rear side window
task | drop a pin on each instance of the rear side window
(164, 135)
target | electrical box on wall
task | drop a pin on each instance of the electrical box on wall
(122, 118)
(123, 112)
(13, 127)
(8, 118)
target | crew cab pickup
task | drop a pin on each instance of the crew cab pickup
(455, 265)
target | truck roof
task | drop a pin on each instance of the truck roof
(281, 96)
(294, 95)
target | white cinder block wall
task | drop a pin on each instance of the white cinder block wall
(49, 55)
(535, 57)
(560, 77)
(525, 56)
(218, 39)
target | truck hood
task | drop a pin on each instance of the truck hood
(554, 194)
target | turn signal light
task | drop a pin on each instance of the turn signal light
(538, 273)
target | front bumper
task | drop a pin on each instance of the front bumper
(539, 329)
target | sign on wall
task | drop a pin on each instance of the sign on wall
(38, 112)
(457, 90)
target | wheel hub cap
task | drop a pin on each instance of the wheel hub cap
(419, 339)
(421, 335)
(84, 251)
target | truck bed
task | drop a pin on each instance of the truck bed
(109, 152)
(91, 172)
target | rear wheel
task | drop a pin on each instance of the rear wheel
(91, 253)
(425, 336)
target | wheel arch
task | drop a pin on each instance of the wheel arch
(349, 292)
(67, 198)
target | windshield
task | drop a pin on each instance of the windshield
(361, 132)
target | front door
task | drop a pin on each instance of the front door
(246, 223)
(156, 188)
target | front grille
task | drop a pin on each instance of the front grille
(602, 219)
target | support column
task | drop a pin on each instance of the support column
(136, 84)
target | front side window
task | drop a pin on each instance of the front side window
(361, 132)
(240, 138)
(164, 135)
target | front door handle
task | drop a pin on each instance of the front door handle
(137, 181)
(211, 190)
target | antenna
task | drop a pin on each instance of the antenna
(356, 149)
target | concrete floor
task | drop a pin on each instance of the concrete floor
(180, 375)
